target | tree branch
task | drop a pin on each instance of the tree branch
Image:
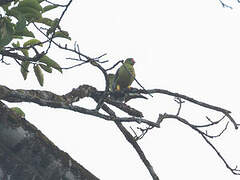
(20, 57)
(47, 98)
(133, 142)
(204, 136)
(187, 98)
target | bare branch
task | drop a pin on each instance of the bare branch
(20, 57)
(180, 102)
(225, 5)
(135, 134)
(132, 141)
(60, 5)
(218, 135)
(144, 132)
(211, 122)
(141, 154)
(64, 11)
(192, 100)
(76, 65)
(114, 65)
(204, 136)
(47, 98)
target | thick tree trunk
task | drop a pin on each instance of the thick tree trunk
(26, 154)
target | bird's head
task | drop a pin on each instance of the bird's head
(130, 61)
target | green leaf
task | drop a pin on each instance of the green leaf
(25, 32)
(49, 7)
(25, 52)
(38, 74)
(46, 68)
(16, 45)
(32, 42)
(30, 13)
(51, 63)
(21, 24)
(45, 21)
(62, 34)
(40, 1)
(30, 3)
(6, 31)
(53, 27)
(14, 12)
(5, 6)
(24, 69)
(17, 37)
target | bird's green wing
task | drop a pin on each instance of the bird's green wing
(116, 77)
(124, 76)
(111, 81)
(130, 74)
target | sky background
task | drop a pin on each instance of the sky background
(189, 47)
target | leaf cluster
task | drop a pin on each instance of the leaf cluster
(15, 28)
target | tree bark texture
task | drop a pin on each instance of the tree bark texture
(26, 154)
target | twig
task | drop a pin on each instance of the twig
(61, 47)
(114, 65)
(144, 132)
(2, 61)
(105, 93)
(60, 5)
(76, 65)
(180, 102)
(132, 141)
(76, 59)
(224, 5)
(187, 98)
(166, 116)
(78, 50)
(135, 134)
(211, 122)
(218, 135)
(64, 11)
(141, 154)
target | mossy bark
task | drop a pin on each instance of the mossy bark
(26, 154)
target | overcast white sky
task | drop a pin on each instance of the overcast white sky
(189, 47)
